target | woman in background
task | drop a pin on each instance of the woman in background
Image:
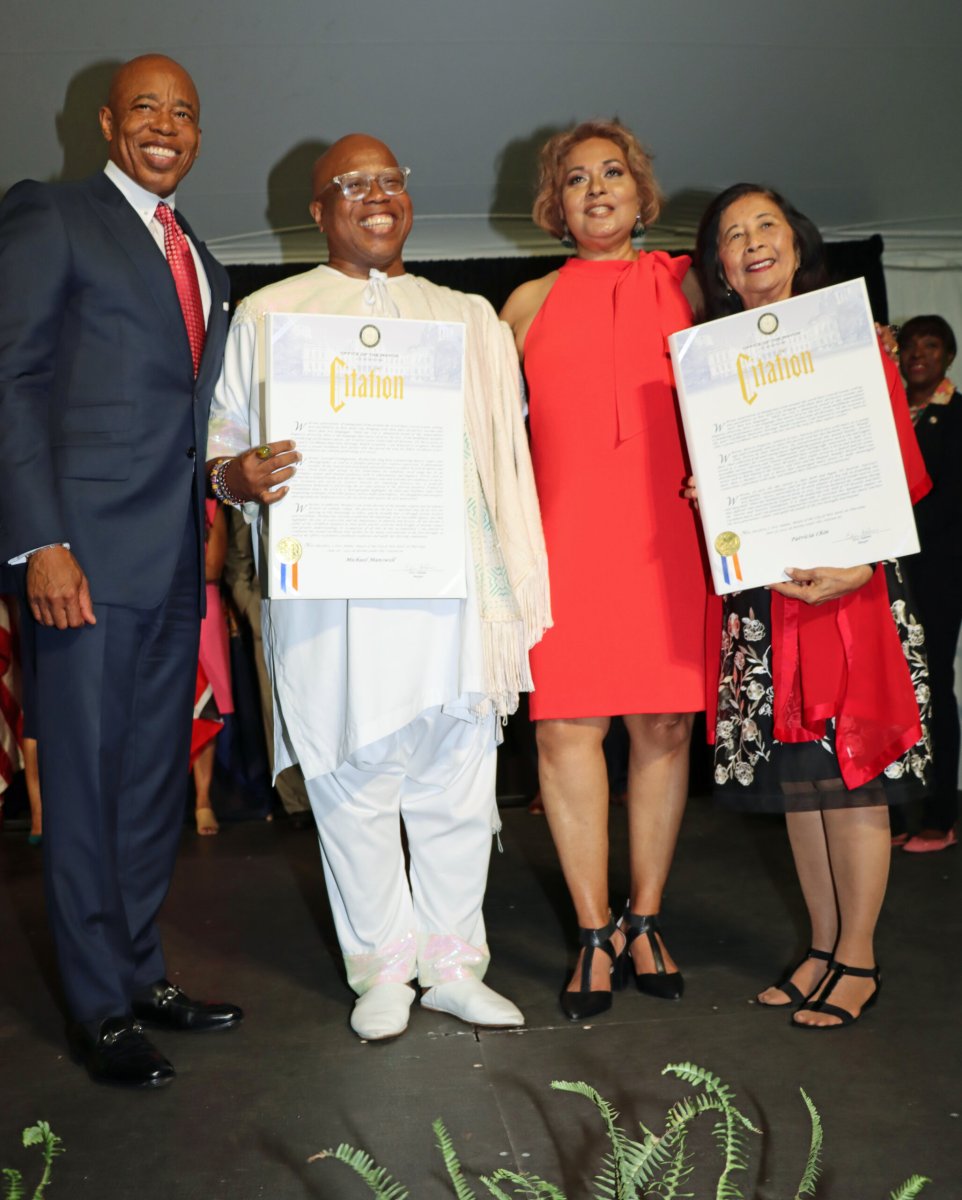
(213, 699)
(926, 351)
(819, 677)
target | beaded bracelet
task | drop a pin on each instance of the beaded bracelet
(218, 483)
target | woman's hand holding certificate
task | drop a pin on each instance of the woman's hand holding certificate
(817, 585)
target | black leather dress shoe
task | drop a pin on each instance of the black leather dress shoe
(120, 1054)
(167, 1007)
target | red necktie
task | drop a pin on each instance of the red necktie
(181, 263)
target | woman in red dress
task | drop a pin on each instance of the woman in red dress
(627, 580)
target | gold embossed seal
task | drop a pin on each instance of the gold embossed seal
(289, 549)
(728, 542)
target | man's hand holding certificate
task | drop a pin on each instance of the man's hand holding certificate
(792, 441)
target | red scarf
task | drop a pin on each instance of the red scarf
(643, 377)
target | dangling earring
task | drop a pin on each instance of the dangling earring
(729, 291)
(566, 239)
(638, 228)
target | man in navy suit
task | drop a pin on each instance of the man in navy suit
(106, 375)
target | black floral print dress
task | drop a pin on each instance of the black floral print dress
(756, 773)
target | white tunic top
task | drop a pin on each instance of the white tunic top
(347, 672)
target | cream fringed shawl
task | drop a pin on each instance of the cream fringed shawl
(504, 519)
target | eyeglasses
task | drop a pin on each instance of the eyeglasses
(356, 185)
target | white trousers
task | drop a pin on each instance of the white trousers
(437, 776)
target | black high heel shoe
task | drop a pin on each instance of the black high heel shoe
(818, 1002)
(665, 984)
(584, 1003)
(785, 984)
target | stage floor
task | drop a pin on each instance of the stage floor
(247, 920)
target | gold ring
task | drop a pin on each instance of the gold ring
(263, 452)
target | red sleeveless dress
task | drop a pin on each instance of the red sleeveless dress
(628, 584)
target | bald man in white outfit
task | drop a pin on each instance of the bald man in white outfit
(392, 707)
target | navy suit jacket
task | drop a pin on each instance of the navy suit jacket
(103, 427)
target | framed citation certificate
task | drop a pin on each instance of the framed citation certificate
(376, 407)
(792, 440)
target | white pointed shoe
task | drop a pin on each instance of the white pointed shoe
(383, 1011)
(473, 1001)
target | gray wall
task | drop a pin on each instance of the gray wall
(850, 107)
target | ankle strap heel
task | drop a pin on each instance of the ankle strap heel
(819, 1002)
(795, 997)
(584, 1003)
(662, 983)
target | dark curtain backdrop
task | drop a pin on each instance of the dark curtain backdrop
(496, 278)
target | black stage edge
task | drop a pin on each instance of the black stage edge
(247, 920)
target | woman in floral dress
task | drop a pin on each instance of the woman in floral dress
(823, 694)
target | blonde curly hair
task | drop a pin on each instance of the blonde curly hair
(547, 210)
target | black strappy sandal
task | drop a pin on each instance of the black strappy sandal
(795, 997)
(819, 1004)
(665, 984)
(584, 1003)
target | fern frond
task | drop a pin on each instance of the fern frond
(730, 1139)
(678, 1173)
(731, 1144)
(377, 1179)
(686, 1110)
(728, 1132)
(810, 1175)
(490, 1183)
(451, 1161)
(13, 1184)
(42, 1135)
(713, 1085)
(533, 1187)
(643, 1162)
(695, 1075)
(910, 1188)
(608, 1113)
(612, 1179)
(682, 1111)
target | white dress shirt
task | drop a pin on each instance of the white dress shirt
(144, 204)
